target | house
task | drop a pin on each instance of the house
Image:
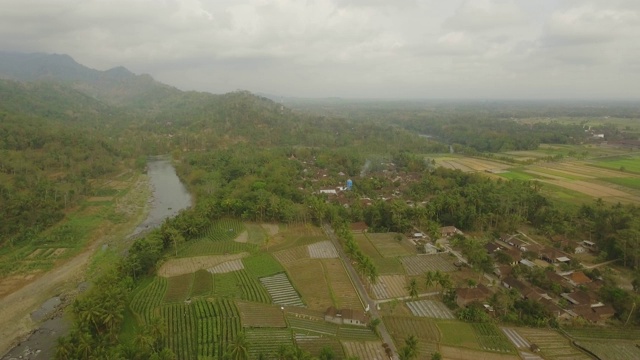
(492, 248)
(448, 231)
(506, 237)
(580, 297)
(552, 308)
(578, 278)
(553, 256)
(346, 316)
(430, 249)
(518, 244)
(555, 278)
(328, 191)
(528, 263)
(589, 245)
(359, 227)
(465, 296)
(604, 312)
(512, 283)
(502, 271)
(515, 256)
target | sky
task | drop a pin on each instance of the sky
(481, 49)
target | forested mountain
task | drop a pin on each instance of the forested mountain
(117, 86)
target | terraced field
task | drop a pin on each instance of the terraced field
(281, 290)
(401, 327)
(552, 344)
(390, 286)
(343, 291)
(420, 264)
(228, 266)
(267, 341)
(291, 255)
(309, 326)
(611, 349)
(492, 339)
(315, 343)
(370, 350)
(178, 288)
(255, 315)
(322, 250)
(147, 299)
(430, 308)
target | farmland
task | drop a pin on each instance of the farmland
(492, 339)
(308, 276)
(430, 308)
(281, 290)
(267, 341)
(342, 289)
(146, 300)
(552, 344)
(261, 315)
(401, 327)
(458, 334)
(390, 286)
(420, 264)
(611, 349)
(385, 265)
(370, 350)
(388, 246)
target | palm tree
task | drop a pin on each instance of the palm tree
(429, 279)
(239, 349)
(413, 288)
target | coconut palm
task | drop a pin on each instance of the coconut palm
(239, 349)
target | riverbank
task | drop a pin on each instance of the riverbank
(17, 326)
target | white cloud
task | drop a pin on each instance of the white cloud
(363, 48)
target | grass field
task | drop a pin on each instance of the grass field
(388, 246)
(631, 183)
(629, 163)
(262, 264)
(611, 349)
(256, 233)
(457, 333)
(385, 265)
(178, 288)
(343, 292)
(256, 315)
(309, 277)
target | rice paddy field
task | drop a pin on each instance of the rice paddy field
(214, 289)
(568, 173)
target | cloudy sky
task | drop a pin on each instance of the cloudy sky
(348, 48)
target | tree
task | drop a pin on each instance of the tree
(327, 353)
(412, 288)
(239, 349)
(436, 356)
(429, 278)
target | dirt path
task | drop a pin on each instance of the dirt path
(15, 308)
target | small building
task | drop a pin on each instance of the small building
(518, 244)
(553, 256)
(328, 191)
(512, 283)
(492, 248)
(578, 278)
(466, 296)
(515, 256)
(430, 249)
(346, 316)
(359, 227)
(502, 271)
(528, 263)
(448, 231)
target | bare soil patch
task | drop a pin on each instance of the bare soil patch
(175, 267)
(100, 198)
(271, 229)
(243, 237)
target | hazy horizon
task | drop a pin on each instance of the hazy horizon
(350, 49)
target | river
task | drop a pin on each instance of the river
(168, 197)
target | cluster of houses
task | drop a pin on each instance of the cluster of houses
(580, 300)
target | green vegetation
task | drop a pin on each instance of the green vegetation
(457, 333)
(632, 183)
(491, 338)
(622, 163)
(261, 265)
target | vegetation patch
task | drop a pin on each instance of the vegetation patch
(255, 315)
(310, 279)
(255, 233)
(218, 324)
(425, 330)
(364, 349)
(552, 345)
(388, 245)
(611, 350)
(629, 182)
(202, 283)
(491, 338)
(309, 326)
(344, 294)
(182, 330)
(624, 163)
(267, 341)
(315, 343)
(599, 332)
(181, 266)
(262, 264)
(226, 285)
(205, 246)
(251, 289)
(450, 352)
(146, 300)
(457, 333)
(178, 288)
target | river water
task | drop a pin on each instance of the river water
(168, 197)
